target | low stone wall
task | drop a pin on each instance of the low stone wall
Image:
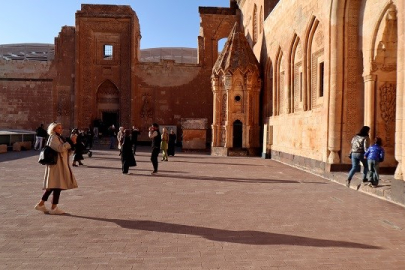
(3, 148)
(194, 133)
(18, 146)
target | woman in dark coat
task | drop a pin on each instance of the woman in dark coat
(172, 143)
(127, 156)
(78, 152)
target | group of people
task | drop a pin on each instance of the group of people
(60, 176)
(369, 156)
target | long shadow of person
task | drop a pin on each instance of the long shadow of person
(240, 237)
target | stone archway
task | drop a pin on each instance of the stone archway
(381, 84)
(108, 103)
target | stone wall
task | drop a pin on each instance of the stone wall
(168, 92)
(26, 94)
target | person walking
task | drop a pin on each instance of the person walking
(360, 143)
(40, 135)
(374, 155)
(79, 147)
(134, 136)
(127, 156)
(172, 143)
(154, 135)
(60, 176)
(164, 144)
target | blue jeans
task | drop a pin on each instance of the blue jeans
(374, 168)
(356, 159)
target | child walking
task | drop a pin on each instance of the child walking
(374, 155)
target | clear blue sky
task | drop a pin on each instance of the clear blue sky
(164, 23)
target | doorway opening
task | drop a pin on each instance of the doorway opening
(109, 119)
(237, 134)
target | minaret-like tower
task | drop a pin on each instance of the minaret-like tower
(236, 87)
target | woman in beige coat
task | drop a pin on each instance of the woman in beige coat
(57, 177)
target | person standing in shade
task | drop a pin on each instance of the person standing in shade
(164, 144)
(154, 135)
(60, 176)
(172, 143)
(40, 135)
(134, 136)
(374, 155)
(113, 134)
(360, 143)
(127, 157)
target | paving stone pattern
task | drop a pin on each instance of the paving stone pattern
(199, 212)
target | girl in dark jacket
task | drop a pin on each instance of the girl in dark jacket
(374, 155)
(127, 156)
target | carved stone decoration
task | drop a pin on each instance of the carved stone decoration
(383, 66)
(319, 38)
(352, 116)
(387, 107)
(223, 137)
(224, 108)
(386, 44)
(146, 111)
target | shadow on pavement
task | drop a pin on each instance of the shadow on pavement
(9, 156)
(236, 180)
(240, 237)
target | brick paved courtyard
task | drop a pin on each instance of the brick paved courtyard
(199, 212)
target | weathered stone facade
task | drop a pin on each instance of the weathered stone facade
(327, 68)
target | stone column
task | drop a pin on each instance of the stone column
(399, 123)
(336, 82)
(216, 112)
(228, 124)
(369, 102)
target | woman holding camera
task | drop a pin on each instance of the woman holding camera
(57, 177)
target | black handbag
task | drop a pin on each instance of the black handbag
(48, 156)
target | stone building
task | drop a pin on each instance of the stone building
(327, 68)
(236, 86)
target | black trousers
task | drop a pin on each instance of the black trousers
(154, 158)
(56, 195)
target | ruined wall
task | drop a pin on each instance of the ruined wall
(25, 94)
(168, 92)
(64, 83)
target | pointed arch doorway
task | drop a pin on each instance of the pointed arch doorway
(108, 104)
(381, 85)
